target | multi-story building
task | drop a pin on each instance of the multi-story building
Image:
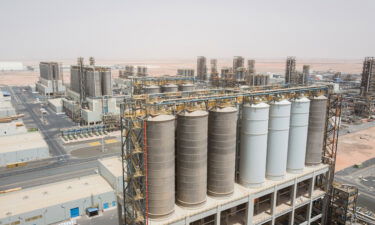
(51, 79)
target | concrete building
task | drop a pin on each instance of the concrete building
(111, 170)
(56, 104)
(290, 71)
(57, 202)
(11, 66)
(51, 79)
(185, 72)
(201, 68)
(22, 147)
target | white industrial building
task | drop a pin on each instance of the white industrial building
(51, 79)
(57, 202)
(11, 66)
(12, 128)
(6, 107)
(22, 148)
(56, 104)
(111, 169)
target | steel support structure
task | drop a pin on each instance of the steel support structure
(333, 119)
(134, 163)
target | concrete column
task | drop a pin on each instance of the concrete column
(311, 190)
(250, 211)
(273, 205)
(294, 194)
(218, 215)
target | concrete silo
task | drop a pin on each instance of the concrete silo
(299, 121)
(315, 136)
(161, 165)
(277, 143)
(253, 148)
(191, 158)
(222, 127)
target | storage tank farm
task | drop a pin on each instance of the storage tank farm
(192, 154)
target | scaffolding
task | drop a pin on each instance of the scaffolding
(134, 111)
(343, 204)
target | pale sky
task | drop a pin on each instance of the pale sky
(157, 29)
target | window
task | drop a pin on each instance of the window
(114, 203)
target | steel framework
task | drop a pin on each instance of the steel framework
(134, 143)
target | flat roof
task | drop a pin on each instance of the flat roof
(55, 101)
(40, 197)
(113, 165)
(22, 141)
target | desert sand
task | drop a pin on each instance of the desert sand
(355, 148)
(169, 67)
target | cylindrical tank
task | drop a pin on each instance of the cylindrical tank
(161, 165)
(222, 126)
(253, 148)
(277, 143)
(186, 87)
(315, 136)
(152, 89)
(299, 121)
(191, 165)
(169, 88)
(106, 82)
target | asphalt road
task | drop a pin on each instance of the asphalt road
(61, 165)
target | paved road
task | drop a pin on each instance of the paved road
(60, 166)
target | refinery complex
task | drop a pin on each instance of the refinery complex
(208, 145)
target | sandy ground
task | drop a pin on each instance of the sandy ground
(169, 67)
(355, 148)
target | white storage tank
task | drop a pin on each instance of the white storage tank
(169, 88)
(299, 121)
(278, 135)
(186, 87)
(152, 89)
(253, 148)
(315, 137)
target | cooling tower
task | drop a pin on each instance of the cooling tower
(253, 148)
(161, 165)
(299, 121)
(222, 127)
(277, 143)
(315, 136)
(191, 165)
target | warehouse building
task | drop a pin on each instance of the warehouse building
(12, 128)
(22, 147)
(57, 202)
(6, 107)
(111, 169)
(56, 104)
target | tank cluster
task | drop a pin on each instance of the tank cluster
(193, 153)
(154, 89)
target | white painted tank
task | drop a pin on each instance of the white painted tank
(278, 135)
(299, 121)
(253, 148)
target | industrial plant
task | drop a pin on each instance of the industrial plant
(215, 144)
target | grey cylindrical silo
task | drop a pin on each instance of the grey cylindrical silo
(152, 89)
(106, 82)
(169, 88)
(315, 136)
(277, 143)
(299, 121)
(161, 165)
(191, 160)
(222, 127)
(253, 148)
(186, 87)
